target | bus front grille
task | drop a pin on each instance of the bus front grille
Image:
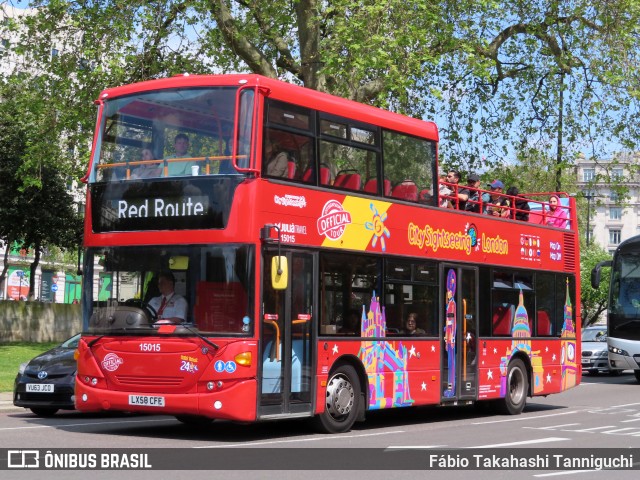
(148, 380)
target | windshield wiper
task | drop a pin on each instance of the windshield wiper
(200, 336)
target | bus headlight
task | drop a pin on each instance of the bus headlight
(618, 351)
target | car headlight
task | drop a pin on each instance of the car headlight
(22, 368)
(618, 351)
(603, 353)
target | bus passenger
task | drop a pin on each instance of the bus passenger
(410, 326)
(469, 194)
(495, 203)
(556, 216)
(181, 146)
(277, 160)
(521, 205)
(169, 306)
(454, 177)
(147, 170)
(443, 190)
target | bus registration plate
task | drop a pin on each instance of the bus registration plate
(146, 400)
(40, 387)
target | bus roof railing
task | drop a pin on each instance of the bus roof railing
(538, 210)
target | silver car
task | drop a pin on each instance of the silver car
(595, 357)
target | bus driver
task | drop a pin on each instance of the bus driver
(169, 306)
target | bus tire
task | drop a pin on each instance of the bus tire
(342, 401)
(517, 387)
(637, 374)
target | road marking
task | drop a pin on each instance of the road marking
(612, 432)
(566, 472)
(314, 439)
(83, 424)
(589, 430)
(526, 442)
(625, 405)
(553, 427)
(522, 419)
(632, 420)
(413, 447)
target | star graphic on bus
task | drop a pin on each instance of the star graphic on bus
(379, 230)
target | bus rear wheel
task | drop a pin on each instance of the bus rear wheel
(517, 388)
(342, 401)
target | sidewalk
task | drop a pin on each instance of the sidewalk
(6, 402)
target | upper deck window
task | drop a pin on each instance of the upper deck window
(289, 115)
(173, 132)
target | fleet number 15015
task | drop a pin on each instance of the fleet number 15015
(149, 347)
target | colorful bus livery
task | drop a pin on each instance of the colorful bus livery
(302, 241)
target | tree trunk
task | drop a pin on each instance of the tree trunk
(5, 262)
(32, 271)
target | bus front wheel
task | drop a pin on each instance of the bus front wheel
(517, 388)
(341, 401)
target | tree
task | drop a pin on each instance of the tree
(594, 302)
(557, 76)
(37, 209)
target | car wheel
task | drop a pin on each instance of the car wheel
(637, 374)
(44, 412)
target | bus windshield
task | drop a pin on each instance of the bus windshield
(172, 132)
(624, 316)
(139, 287)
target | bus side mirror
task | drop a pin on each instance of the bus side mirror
(279, 272)
(595, 273)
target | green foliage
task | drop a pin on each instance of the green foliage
(494, 75)
(37, 209)
(594, 302)
(13, 354)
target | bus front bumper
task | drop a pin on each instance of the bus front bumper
(237, 402)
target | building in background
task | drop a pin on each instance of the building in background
(612, 219)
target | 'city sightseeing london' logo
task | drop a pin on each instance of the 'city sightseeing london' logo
(111, 362)
(333, 220)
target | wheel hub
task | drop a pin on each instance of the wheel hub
(340, 396)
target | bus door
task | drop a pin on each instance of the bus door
(458, 332)
(286, 338)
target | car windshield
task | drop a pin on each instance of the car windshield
(71, 342)
(594, 335)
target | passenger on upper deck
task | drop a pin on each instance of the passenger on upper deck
(454, 177)
(169, 306)
(443, 190)
(277, 160)
(522, 207)
(495, 203)
(147, 170)
(556, 216)
(468, 194)
(181, 146)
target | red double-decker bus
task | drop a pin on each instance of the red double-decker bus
(256, 250)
